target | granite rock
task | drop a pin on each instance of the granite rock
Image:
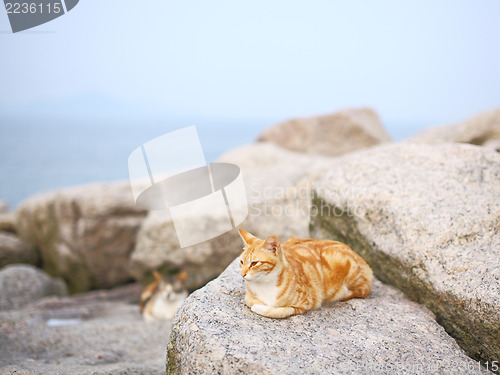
(14, 250)
(8, 222)
(494, 144)
(331, 135)
(214, 332)
(21, 284)
(85, 234)
(483, 129)
(427, 220)
(277, 184)
(101, 332)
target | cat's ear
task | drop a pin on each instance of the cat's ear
(272, 243)
(157, 276)
(181, 276)
(247, 237)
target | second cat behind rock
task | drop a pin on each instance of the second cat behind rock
(162, 298)
(300, 274)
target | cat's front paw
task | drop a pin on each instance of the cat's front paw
(260, 309)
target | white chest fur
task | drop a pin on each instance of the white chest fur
(266, 291)
(164, 308)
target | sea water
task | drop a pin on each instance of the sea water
(39, 155)
(44, 154)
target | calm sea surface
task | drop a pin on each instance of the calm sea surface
(39, 155)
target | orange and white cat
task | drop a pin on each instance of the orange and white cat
(162, 298)
(300, 274)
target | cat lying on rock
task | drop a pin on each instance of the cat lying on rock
(300, 274)
(162, 298)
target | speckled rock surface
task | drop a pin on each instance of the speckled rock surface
(85, 234)
(14, 250)
(278, 184)
(110, 336)
(335, 134)
(483, 129)
(21, 284)
(427, 220)
(216, 333)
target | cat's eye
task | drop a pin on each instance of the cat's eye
(241, 262)
(254, 263)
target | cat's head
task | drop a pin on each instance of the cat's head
(259, 257)
(170, 287)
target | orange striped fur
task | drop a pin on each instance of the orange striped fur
(300, 274)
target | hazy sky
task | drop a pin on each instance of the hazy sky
(423, 62)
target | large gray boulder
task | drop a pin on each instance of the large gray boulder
(8, 222)
(85, 234)
(101, 332)
(482, 129)
(214, 332)
(21, 284)
(14, 250)
(335, 134)
(157, 248)
(427, 220)
(277, 183)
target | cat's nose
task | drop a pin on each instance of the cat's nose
(243, 274)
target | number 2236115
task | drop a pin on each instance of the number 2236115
(33, 8)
